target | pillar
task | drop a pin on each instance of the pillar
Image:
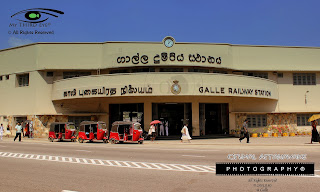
(195, 119)
(147, 112)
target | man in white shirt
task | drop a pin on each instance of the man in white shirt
(18, 133)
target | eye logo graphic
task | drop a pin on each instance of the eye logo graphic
(34, 15)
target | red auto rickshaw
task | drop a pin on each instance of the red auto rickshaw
(122, 131)
(62, 131)
(91, 130)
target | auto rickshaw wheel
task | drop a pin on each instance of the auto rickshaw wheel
(112, 141)
(51, 139)
(105, 141)
(140, 142)
(80, 140)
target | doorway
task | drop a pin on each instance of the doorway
(214, 118)
(175, 113)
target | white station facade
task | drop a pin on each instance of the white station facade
(212, 87)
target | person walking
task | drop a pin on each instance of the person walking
(31, 129)
(167, 128)
(315, 134)
(153, 132)
(185, 133)
(1, 131)
(18, 133)
(8, 131)
(244, 131)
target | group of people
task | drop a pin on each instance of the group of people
(314, 137)
(184, 132)
(2, 131)
(27, 132)
(162, 127)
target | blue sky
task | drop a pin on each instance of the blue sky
(250, 22)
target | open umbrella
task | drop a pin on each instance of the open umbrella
(314, 117)
(155, 122)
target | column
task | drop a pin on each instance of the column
(105, 118)
(195, 118)
(147, 115)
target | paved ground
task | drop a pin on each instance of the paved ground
(39, 165)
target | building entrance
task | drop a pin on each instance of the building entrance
(214, 118)
(175, 113)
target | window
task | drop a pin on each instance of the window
(49, 74)
(0, 78)
(254, 74)
(23, 80)
(119, 71)
(257, 120)
(280, 75)
(139, 70)
(72, 74)
(78, 119)
(304, 78)
(198, 70)
(302, 119)
(7, 77)
(222, 72)
(171, 69)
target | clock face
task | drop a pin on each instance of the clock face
(168, 42)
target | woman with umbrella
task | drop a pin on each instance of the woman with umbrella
(152, 129)
(315, 134)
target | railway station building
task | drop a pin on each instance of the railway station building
(212, 87)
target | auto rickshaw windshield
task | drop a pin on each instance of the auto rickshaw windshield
(71, 127)
(102, 126)
(137, 126)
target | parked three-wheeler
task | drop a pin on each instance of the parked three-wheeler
(123, 131)
(91, 130)
(62, 131)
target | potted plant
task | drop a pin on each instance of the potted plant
(304, 132)
(279, 130)
(291, 131)
(237, 131)
(275, 131)
(284, 131)
(265, 134)
(254, 133)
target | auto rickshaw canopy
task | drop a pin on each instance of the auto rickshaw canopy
(70, 125)
(92, 124)
(128, 124)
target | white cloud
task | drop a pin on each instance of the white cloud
(14, 42)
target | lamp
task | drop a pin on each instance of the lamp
(305, 97)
